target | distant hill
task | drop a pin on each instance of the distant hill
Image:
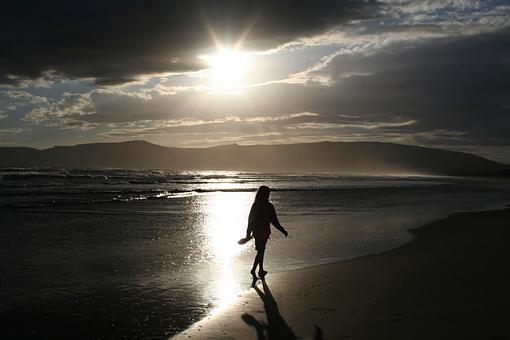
(341, 157)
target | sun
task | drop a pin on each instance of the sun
(228, 66)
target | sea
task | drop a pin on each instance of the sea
(124, 254)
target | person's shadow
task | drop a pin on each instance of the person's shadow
(276, 327)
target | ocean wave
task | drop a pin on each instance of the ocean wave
(49, 198)
(37, 178)
(20, 187)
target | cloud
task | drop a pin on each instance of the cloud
(457, 85)
(451, 84)
(65, 112)
(364, 125)
(45, 79)
(451, 91)
(117, 41)
(226, 124)
(24, 98)
(11, 131)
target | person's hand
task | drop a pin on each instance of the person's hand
(285, 233)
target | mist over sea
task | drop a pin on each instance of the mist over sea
(127, 254)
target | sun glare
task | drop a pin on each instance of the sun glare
(228, 66)
(226, 217)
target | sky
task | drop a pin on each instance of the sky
(199, 73)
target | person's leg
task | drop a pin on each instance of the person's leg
(262, 272)
(255, 263)
(261, 260)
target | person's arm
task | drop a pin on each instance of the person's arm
(274, 220)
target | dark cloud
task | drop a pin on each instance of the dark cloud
(116, 41)
(451, 84)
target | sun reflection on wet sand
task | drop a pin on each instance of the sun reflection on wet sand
(226, 218)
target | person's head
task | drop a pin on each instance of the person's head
(262, 194)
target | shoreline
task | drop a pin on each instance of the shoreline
(341, 297)
(411, 230)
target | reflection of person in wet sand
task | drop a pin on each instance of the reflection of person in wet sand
(262, 213)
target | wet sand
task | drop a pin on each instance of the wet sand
(451, 282)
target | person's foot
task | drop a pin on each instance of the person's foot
(262, 273)
(253, 275)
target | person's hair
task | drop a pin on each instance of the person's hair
(262, 194)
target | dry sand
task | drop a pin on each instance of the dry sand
(451, 282)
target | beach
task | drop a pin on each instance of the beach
(450, 282)
(147, 254)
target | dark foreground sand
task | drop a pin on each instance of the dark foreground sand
(451, 282)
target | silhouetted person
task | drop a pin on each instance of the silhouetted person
(262, 213)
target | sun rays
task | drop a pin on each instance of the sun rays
(228, 63)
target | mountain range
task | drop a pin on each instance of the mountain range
(336, 157)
